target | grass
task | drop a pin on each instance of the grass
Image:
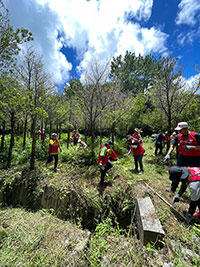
(39, 239)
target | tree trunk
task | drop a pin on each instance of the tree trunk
(50, 129)
(25, 130)
(113, 133)
(92, 130)
(45, 125)
(3, 135)
(86, 132)
(32, 160)
(101, 135)
(41, 125)
(169, 127)
(60, 129)
(11, 140)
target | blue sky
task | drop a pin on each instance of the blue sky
(70, 34)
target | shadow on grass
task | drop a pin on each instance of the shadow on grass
(101, 188)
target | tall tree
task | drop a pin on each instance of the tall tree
(10, 39)
(95, 95)
(69, 94)
(170, 94)
(135, 73)
(12, 102)
(36, 83)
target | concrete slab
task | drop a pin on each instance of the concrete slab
(149, 227)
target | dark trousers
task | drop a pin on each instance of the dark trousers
(104, 169)
(193, 205)
(50, 158)
(75, 142)
(185, 161)
(138, 159)
(158, 147)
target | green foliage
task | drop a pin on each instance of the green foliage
(10, 39)
(134, 72)
(99, 245)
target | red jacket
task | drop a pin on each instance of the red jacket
(194, 174)
(75, 135)
(188, 140)
(139, 150)
(104, 159)
(53, 149)
(112, 154)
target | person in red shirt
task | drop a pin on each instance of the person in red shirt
(43, 134)
(54, 144)
(137, 135)
(189, 176)
(75, 137)
(81, 145)
(105, 157)
(189, 146)
(138, 152)
(189, 149)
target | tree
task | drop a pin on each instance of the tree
(170, 94)
(135, 73)
(94, 96)
(69, 94)
(120, 105)
(10, 39)
(12, 102)
(36, 84)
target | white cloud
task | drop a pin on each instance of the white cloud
(95, 29)
(188, 12)
(193, 81)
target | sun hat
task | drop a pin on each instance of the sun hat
(181, 125)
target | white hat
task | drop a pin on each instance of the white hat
(181, 125)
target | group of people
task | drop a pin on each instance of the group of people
(107, 154)
(161, 139)
(187, 170)
(54, 145)
(40, 134)
(77, 140)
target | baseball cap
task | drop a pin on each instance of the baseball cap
(177, 173)
(110, 143)
(181, 125)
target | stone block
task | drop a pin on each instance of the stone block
(149, 227)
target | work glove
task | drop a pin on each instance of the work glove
(187, 147)
(167, 157)
(188, 218)
(176, 198)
